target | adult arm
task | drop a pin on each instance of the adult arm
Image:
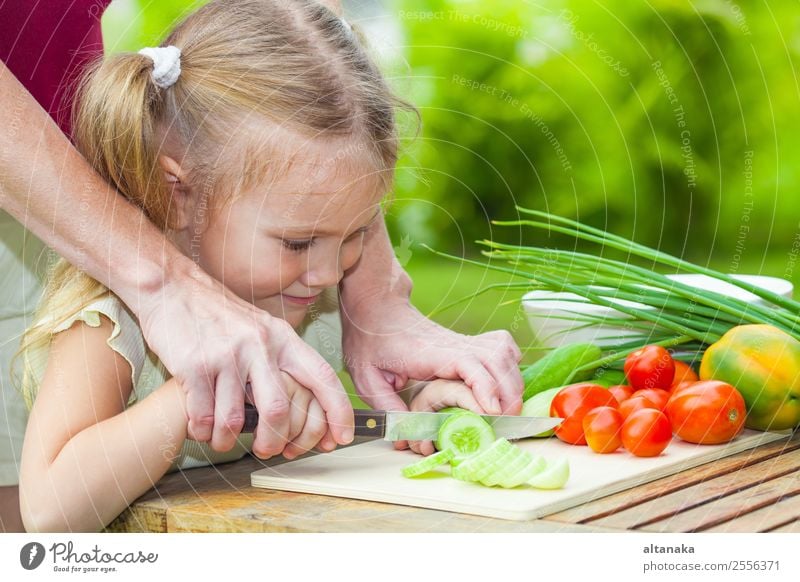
(387, 341)
(209, 339)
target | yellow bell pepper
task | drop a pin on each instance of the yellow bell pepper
(763, 363)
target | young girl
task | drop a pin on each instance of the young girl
(262, 139)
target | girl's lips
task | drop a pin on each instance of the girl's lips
(300, 300)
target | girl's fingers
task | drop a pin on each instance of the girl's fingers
(199, 390)
(314, 429)
(273, 409)
(298, 412)
(229, 409)
(312, 371)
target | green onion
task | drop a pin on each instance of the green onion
(672, 313)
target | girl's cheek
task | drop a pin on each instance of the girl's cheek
(351, 252)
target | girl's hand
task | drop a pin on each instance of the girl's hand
(440, 394)
(308, 427)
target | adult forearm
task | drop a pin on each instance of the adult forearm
(105, 467)
(377, 276)
(48, 186)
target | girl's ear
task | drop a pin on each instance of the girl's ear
(181, 199)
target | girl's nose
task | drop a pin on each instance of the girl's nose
(324, 272)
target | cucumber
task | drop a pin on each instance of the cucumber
(479, 466)
(536, 464)
(609, 377)
(465, 433)
(506, 465)
(428, 463)
(557, 368)
(539, 405)
(554, 476)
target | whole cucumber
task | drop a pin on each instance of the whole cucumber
(609, 377)
(557, 366)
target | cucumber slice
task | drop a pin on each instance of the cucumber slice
(536, 465)
(428, 463)
(554, 476)
(478, 465)
(466, 434)
(505, 471)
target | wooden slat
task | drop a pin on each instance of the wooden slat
(767, 518)
(675, 483)
(667, 505)
(296, 512)
(729, 507)
(793, 527)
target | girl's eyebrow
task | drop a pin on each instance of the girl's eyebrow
(301, 232)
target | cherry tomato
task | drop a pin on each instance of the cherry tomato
(621, 392)
(650, 367)
(572, 403)
(635, 404)
(602, 426)
(646, 433)
(684, 373)
(709, 412)
(657, 397)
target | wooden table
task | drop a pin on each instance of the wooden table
(753, 491)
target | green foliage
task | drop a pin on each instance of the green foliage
(647, 118)
(670, 121)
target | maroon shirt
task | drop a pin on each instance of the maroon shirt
(47, 43)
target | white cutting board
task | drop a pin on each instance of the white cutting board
(371, 471)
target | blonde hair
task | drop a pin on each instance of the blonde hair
(294, 64)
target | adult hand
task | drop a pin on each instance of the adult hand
(399, 344)
(214, 343)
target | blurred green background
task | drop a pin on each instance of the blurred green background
(671, 122)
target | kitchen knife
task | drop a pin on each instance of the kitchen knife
(424, 426)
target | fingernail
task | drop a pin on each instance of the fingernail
(347, 436)
(496, 406)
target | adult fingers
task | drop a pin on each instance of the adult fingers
(509, 384)
(312, 371)
(228, 409)
(374, 388)
(272, 403)
(199, 390)
(477, 377)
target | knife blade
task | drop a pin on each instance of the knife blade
(423, 426)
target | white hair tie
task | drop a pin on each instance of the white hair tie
(166, 64)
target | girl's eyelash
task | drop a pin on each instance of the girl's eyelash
(298, 245)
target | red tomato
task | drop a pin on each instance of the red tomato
(621, 392)
(650, 367)
(602, 428)
(676, 387)
(684, 373)
(658, 398)
(635, 404)
(708, 413)
(646, 433)
(572, 403)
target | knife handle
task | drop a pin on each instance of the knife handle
(368, 423)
